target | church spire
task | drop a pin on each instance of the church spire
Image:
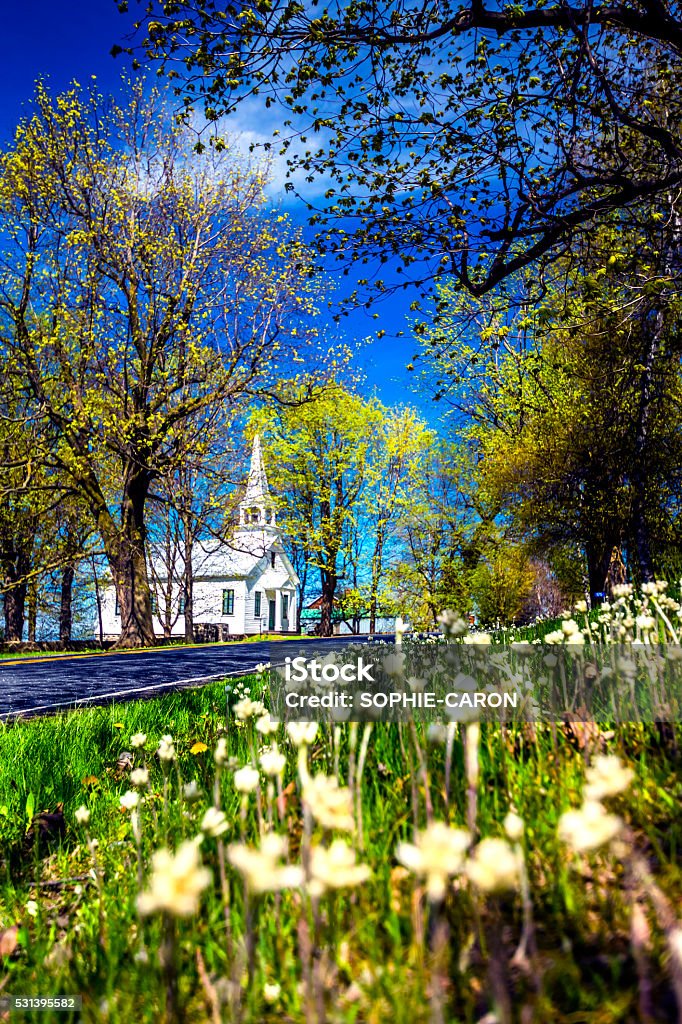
(257, 486)
(256, 507)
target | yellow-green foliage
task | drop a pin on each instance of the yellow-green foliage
(143, 284)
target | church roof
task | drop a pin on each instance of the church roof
(222, 560)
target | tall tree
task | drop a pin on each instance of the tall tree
(193, 502)
(319, 467)
(141, 284)
(74, 532)
(402, 442)
(29, 496)
(573, 408)
(443, 534)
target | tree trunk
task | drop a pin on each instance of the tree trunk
(377, 559)
(649, 395)
(65, 605)
(32, 617)
(598, 559)
(16, 564)
(15, 600)
(188, 584)
(639, 475)
(134, 598)
(328, 580)
(125, 550)
(302, 580)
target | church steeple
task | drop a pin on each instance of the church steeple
(256, 509)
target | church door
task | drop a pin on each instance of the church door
(271, 614)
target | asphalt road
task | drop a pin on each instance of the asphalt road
(30, 686)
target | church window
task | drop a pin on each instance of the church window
(181, 605)
(228, 602)
(154, 603)
(117, 606)
(285, 606)
(272, 559)
(256, 610)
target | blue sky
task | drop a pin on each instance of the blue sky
(72, 40)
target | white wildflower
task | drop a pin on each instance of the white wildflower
(335, 867)
(463, 713)
(82, 815)
(246, 779)
(437, 853)
(129, 800)
(464, 683)
(266, 725)
(261, 866)
(589, 827)
(453, 624)
(330, 804)
(272, 761)
(177, 882)
(247, 708)
(436, 733)
(271, 992)
(607, 776)
(214, 823)
(191, 791)
(166, 751)
(416, 685)
(513, 826)
(494, 866)
(139, 777)
(302, 734)
(393, 664)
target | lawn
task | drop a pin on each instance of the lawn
(356, 910)
(172, 646)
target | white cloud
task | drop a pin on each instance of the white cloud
(251, 132)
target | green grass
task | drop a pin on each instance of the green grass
(173, 645)
(49, 654)
(370, 963)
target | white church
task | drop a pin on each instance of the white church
(246, 587)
